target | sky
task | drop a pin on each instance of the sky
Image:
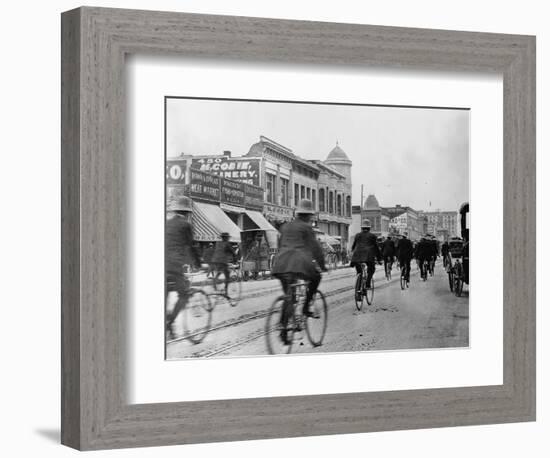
(409, 156)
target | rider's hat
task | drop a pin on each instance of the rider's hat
(224, 235)
(183, 204)
(305, 207)
(365, 223)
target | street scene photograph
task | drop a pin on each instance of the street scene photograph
(299, 227)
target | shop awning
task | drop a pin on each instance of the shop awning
(259, 220)
(209, 221)
(328, 239)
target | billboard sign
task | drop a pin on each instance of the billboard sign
(245, 170)
(204, 185)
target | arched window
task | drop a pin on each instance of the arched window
(339, 205)
(330, 202)
(348, 206)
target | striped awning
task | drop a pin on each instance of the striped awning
(259, 220)
(209, 221)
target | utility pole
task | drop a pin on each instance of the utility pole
(361, 205)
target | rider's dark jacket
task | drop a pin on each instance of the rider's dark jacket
(405, 250)
(424, 250)
(223, 253)
(388, 248)
(298, 249)
(365, 248)
(179, 244)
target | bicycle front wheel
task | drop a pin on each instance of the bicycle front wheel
(235, 287)
(197, 316)
(273, 328)
(316, 325)
(369, 296)
(359, 296)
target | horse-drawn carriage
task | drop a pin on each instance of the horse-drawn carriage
(258, 249)
(458, 266)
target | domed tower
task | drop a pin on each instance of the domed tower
(371, 203)
(373, 212)
(338, 159)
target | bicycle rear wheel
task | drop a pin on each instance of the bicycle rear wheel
(369, 295)
(316, 325)
(359, 296)
(197, 316)
(273, 328)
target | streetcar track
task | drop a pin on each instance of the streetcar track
(261, 314)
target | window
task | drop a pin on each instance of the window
(330, 202)
(348, 206)
(284, 191)
(339, 205)
(302, 192)
(313, 198)
(322, 200)
(296, 194)
(308, 193)
(270, 188)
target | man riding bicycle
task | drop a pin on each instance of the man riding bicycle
(179, 251)
(424, 252)
(298, 253)
(388, 252)
(405, 253)
(365, 251)
(221, 258)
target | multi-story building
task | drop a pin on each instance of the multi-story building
(285, 178)
(438, 220)
(279, 178)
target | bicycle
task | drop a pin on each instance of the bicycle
(431, 267)
(234, 287)
(424, 266)
(196, 309)
(363, 293)
(315, 325)
(331, 261)
(388, 264)
(403, 280)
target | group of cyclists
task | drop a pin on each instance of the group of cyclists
(300, 256)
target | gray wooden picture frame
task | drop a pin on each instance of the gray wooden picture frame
(95, 411)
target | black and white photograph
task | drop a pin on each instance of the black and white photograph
(299, 227)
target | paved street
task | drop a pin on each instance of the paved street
(427, 315)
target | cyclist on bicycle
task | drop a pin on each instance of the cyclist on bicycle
(405, 253)
(423, 254)
(179, 251)
(299, 250)
(388, 252)
(224, 254)
(365, 251)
